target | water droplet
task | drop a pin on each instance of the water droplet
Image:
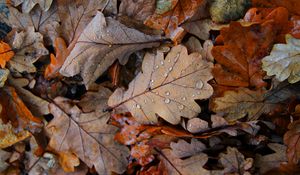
(167, 93)
(183, 98)
(193, 95)
(170, 69)
(180, 107)
(199, 84)
(162, 62)
(152, 100)
(198, 92)
(145, 101)
(169, 61)
(151, 81)
(166, 74)
(110, 45)
(138, 106)
(156, 93)
(156, 67)
(176, 58)
(167, 100)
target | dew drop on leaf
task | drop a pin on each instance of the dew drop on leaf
(167, 100)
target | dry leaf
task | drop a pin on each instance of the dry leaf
(169, 15)
(102, 42)
(284, 60)
(27, 5)
(291, 139)
(3, 157)
(183, 149)
(234, 162)
(194, 45)
(137, 9)
(271, 161)
(29, 48)
(189, 166)
(86, 135)
(236, 105)
(291, 5)
(199, 28)
(167, 87)
(6, 53)
(196, 125)
(3, 76)
(239, 56)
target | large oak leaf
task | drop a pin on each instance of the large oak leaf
(167, 87)
(102, 42)
(87, 135)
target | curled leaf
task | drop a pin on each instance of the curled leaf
(6, 53)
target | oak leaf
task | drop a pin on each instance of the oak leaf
(291, 5)
(239, 56)
(167, 87)
(169, 15)
(102, 42)
(284, 60)
(200, 28)
(87, 135)
(138, 10)
(250, 103)
(29, 48)
(3, 76)
(6, 53)
(27, 5)
(184, 149)
(291, 140)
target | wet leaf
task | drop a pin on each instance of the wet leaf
(284, 60)
(86, 135)
(157, 89)
(6, 53)
(27, 5)
(102, 42)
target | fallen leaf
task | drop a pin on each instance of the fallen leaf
(199, 28)
(157, 89)
(3, 76)
(87, 136)
(237, 104)
(271, 161)
(194, 45)
(189, 166)
(3, 157)
(102, 42)
(139, 10)
(169, 15)
(234, 162)
(183, 149)
(223, 11)
(291, 140)
(239, 57)
(29, 48)
(196, 125)
(284, 61)
(6, 53)
(291, 5)
(27, 5)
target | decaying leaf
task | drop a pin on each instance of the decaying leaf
(238, 104)
(284, 60)
(194, 45)
(156, 91)
(239, 57)
(185, 149)
(3, 157)
(27, 5)
(138, 10)
(292, 140)
(235, 162)
(102, 42)
(6, 53)
(271, 161)
(3, 76)
(291, 5)
(169, 14)
(29, 48)
(87, 135)
(189, 166)
(200, 28)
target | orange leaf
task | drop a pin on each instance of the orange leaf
(292, 140)
(239, 56)
(180, 11)
(293, 6)
(5, 53)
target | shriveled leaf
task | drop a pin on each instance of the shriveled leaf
(102, 42)
(6, 53)
(238, 104)
(167, 87)
(3, 157)
(291, 140)
(284, 60)
(271, 161)
(234, 162)
(27, 5)
(169, 14)
(239, 56)
(184, 149)
(86, 135)
(138, 10)
(194, 45)
(3, 76)
(44, 22)
(189, 166)
(29, 48)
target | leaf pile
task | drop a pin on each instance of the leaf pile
(179, 87)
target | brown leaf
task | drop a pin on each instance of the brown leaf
(194, 45)
(3, 157)
(102, 42)
(291, 139)
(291, 5)
(184, 149)
(167, 87)
(199, 28)
(239, 56)
(138, 10)
(3, 76)
(27, 5)
(86, 135)
(6, 53)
